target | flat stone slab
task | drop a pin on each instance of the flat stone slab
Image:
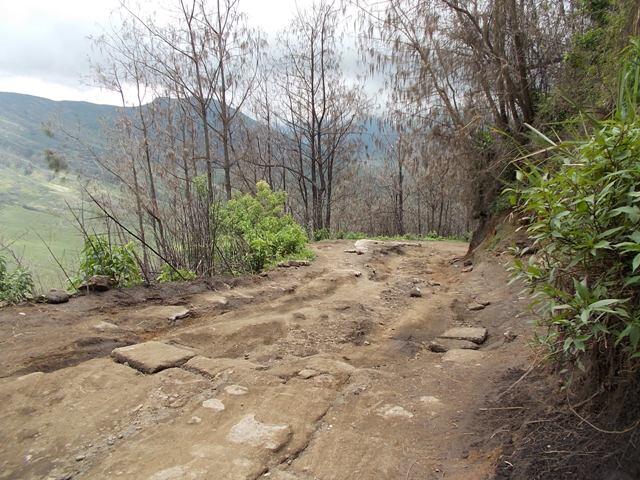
(442, 345)
(236, 390)
(151, 357)
(476, 306)
(257, 434)
(463, 357)
(394, 411)
(307, 373)
(472, 334)
(103, 327)
(214, 404)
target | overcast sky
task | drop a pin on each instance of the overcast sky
(44, 48)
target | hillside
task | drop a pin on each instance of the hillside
(33, 199)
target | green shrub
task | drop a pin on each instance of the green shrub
(15, 286)
(583, 209)
(256, 233)
(321, 234)
(100, 257)
(170, 274)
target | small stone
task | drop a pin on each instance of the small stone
(357, 274)
(475, 306)
(80, 457)
(236, 390)
(509, 336)
(55, 296)
(214, 404)
(194, 420)
(430, 400)
(366, 343)
(467, 269)
(307, 373)
(415, 292)
(178, 315)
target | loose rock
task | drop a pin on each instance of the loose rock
(151, 357)
(98, 283)
(509, 336)
(179, 314)
(307, 373)
(476, 306)
(442, 345)
(472, 334)
(56, 296)
(236, 390)
(214, 404)
(415, 292)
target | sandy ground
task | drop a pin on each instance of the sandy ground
(316, 372)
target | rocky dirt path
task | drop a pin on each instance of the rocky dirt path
(313, 372)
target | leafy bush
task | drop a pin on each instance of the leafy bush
(256, 233)
(169, 274)
(100, 257)
(321, 234)
(15, 286)
(583, 209)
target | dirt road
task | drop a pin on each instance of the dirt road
(312, 372)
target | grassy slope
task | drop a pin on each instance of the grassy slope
(32, 198)
(36, 203)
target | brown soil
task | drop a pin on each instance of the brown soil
(377, 404)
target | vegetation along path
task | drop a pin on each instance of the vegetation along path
(321, 371)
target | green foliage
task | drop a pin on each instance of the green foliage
(15, 286)
(583, 205)
(590, 64)
(256, 233)
(321, 234)
(100, 257)
(54, 161)
(169, 274)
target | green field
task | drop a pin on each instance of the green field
(34, 206)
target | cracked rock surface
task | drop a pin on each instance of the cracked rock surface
(309, 373)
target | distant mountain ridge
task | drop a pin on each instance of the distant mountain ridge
(24, 136)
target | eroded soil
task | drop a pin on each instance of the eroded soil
(317, 372)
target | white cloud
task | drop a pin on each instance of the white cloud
(45, 45)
